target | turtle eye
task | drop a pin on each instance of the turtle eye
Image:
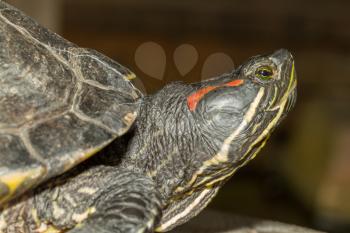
(264, 73)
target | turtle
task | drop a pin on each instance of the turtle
(82, 150)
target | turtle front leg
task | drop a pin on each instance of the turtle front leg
(132, 206)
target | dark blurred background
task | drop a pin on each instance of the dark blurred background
(303, 174)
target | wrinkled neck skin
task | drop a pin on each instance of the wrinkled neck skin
(167, 144)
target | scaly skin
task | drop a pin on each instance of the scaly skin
(69, 200)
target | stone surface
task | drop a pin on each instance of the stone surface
(210, 221)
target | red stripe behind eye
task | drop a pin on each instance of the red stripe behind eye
(193, 99)
(235, 83)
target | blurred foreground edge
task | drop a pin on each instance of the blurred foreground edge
(210, 221)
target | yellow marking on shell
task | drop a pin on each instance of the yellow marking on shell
(78, 218)
(14, 180)
(129, 118)
(130, 76)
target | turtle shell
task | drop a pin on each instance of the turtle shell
(59, 104)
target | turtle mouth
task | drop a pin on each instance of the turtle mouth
(289, 98)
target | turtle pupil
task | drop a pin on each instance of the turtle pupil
(264, 73)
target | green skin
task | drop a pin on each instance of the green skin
(179, 153)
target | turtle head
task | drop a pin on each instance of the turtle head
(234, 115)
(238, 111)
